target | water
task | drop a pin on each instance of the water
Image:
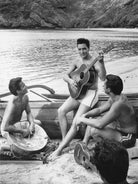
(42, 56)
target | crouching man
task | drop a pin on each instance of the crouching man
(18, 103)
(119, 121)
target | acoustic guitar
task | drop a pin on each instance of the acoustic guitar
(83, 76)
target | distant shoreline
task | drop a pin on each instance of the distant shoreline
(73, 29)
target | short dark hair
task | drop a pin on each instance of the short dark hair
(111, 160)
(115, 83)
(14, 85)
(83, 41)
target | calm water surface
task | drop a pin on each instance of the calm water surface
(42, 56)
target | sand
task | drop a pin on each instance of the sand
(65, 170)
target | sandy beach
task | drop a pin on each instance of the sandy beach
(65, 170)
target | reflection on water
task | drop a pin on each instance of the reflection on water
(42, 56)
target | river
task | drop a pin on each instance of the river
(42, 56)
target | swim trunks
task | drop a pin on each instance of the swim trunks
(128, 140)
(90, 99)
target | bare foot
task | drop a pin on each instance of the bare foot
(54, 155)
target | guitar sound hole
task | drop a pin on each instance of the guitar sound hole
(81, 75)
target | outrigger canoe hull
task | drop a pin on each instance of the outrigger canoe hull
(45, 110)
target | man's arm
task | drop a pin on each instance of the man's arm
(100, 67)
(72, 83)
(100, 123)
(67, 75)
(99, 110)
(29, 116)
(8, 114)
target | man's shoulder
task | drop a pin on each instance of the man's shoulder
(117, 105)
(77, 62)
(124, 100)
(11, 103)
(12, 99)
(25, 98)
(121, 103)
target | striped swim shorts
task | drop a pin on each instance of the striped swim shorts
(128, 140)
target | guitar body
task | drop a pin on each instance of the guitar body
(82, 78)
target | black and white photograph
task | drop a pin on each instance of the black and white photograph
(68, 91)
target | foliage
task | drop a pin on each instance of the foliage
(68, 13)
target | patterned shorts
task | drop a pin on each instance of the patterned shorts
(128, 140)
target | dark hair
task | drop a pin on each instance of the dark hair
(115, 83)
(111, 160)
(14, 85)
(83, 41)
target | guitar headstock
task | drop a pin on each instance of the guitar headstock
(108, 48)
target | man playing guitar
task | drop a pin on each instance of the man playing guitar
(87, 101)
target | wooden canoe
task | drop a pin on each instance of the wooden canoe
(45, 109)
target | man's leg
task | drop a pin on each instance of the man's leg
(6, 146)
(87, 135)
(92, 99)
(71, 133)
(69, 105)
(108, 133)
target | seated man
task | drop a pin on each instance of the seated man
(120, 116)
(86, 102)
(109, 157)
(15, 107)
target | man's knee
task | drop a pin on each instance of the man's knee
(37, 121)
(61, 112)
(4, 134)
(94, 132)
(90, 131)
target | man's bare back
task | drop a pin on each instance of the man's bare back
(126, 120)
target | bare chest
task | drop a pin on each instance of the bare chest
(17, 112)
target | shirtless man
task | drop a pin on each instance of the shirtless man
(15, 107)
(120, 116)
(84, 104)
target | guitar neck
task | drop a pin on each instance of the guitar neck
(94, 61)
(105, 50)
